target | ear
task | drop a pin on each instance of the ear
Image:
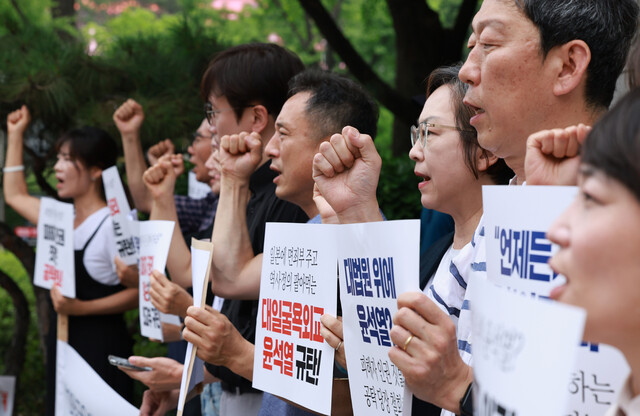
(573, 59)
(95, 173)
(486, 159)
(259, 118)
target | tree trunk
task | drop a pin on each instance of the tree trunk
(15, 355)
(64, 8)
(27, 257)
(422, 44)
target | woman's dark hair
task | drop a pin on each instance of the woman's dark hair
(91, 146)
(499, 172)
(613, 146)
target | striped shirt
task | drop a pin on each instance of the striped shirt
(449, 291)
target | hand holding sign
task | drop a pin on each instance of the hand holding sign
(218, 341)
(427, 352)
(64, 305)
(167, 296)
(128, 275)
(331, 331)
(158, 403)
(240, 155)
(553, 156)
(346, 171)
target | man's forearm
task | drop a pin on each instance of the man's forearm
(232, 249)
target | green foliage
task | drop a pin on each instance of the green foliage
(31, 381)
(158, 60)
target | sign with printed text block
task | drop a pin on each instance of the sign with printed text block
(298, 286)
(377, 262)
(119, 211)
(55, 263)
(155, 239)
(517, 219)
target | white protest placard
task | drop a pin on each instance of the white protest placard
(517, 219)
(193, 371)
(377, 262)
(155, 239)
(298, 286)
(81, 391)
(195, 188)
(7, 395)
(523, 352)
(119, 211)
(55, 263)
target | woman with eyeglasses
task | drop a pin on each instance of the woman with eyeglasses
(96, 324)
(599, 239)
(452, 168)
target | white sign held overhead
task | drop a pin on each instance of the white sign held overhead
(377, 262)
(298, 286)
(155, 239)
(119, 211)
(55, 263)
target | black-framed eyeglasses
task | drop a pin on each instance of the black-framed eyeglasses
(211, 114)
(420, 133)
(197, 136)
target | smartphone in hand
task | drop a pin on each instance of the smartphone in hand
(123, 362)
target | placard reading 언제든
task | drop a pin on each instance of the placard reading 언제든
(193, 371)
(517, 219)
(298, 286)
(81, 391)
(155, 239)
(55, 264)
(119, 211)
(377, 262)
(523, 352)
(7, 395)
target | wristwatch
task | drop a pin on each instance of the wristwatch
(466, 403)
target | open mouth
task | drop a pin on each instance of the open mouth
(557, 291)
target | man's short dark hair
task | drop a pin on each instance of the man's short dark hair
(606, 26)
(254, 73)
(335, 102)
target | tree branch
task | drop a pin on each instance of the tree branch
(38, 170)
(400, 106)
(465, 15)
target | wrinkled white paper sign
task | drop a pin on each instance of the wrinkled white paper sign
(155, 239)
(55, 262)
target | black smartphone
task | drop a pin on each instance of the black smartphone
(123, 362)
